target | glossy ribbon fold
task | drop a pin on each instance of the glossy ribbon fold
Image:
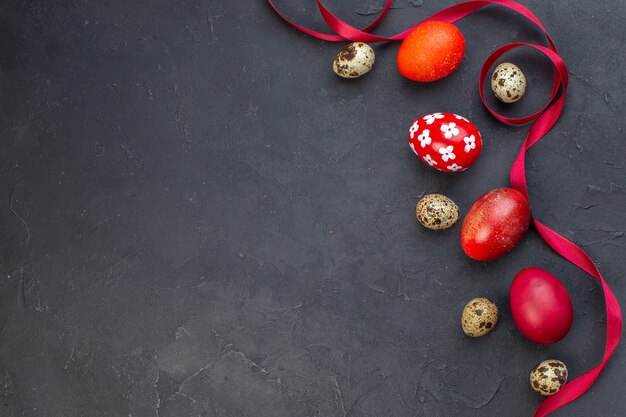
(543, 120)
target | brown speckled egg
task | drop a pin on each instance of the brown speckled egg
(548, 377)
(508, 82)
(479, 317)
(356, 59)
(436, 211)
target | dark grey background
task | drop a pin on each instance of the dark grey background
(198, 218)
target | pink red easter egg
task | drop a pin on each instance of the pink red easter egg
(445, 141)
(540, 306)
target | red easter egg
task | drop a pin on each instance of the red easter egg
(445, 141)
(540, 306)
(495, 224)
(433, 50)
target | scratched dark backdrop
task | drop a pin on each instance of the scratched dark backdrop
(198, 218)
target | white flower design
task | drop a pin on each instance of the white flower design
(430, 118)
(412, 145)
(447, 153)
(449, 130)
(430, 160)
(454, 167)
(460, 118)
(413, 129)
(470, 143)
(424, 138)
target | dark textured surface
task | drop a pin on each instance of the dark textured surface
(198, 218)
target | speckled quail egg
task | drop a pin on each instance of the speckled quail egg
(436, 211)
(354, 60)
(508, 82)
(548, 377)
(479, 317)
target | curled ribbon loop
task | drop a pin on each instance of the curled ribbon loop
(543, 120)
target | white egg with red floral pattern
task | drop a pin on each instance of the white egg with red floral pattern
(445, 141)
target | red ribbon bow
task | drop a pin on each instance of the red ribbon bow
(543, 120)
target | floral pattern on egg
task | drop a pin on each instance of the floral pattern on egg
(445, 141)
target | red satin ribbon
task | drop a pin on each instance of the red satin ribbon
(544, 120)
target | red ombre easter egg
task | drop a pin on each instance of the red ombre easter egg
(495, 224)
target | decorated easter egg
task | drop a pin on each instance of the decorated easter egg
(495, 224)
(540, 306)
(433, 50)
(445, 141)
